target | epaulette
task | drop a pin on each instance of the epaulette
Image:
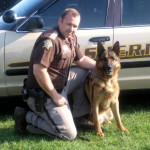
(54, 35)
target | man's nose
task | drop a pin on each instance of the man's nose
(71, 28)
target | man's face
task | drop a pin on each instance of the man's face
(69, 25)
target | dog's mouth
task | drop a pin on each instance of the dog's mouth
(109, 73)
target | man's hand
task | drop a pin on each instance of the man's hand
(59, 100)
(42, 77)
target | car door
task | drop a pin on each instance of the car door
(18, 47)
(19, 43)
(133, 33)
(96, 25)
(2, 76)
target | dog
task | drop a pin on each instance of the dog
(102, 88)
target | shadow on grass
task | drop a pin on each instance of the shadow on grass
(136, 102)
(7, 105)
(146, 148)
(8, 135)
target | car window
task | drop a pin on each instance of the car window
(135, 12)
(93, 12)
(7, 4)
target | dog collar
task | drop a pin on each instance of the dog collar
(94, 74)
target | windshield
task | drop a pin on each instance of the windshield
(24, 10)
(93, 14)
(7, 4)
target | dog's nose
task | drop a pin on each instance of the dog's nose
(109, 70)
(108, 67)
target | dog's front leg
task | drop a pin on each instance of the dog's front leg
(115, 110)
(97, 123)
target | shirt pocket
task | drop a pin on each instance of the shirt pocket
(63, 61)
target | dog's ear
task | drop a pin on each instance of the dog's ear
(116, 48)
(100, 49)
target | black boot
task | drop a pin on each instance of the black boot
(81, 121)
(84, 123)
(20, 121)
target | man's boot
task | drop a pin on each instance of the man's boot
(81, 121)
(20, 121)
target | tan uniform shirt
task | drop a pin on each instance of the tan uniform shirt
(56, 54)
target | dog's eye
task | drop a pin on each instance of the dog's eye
(105, 59)
(112, 58)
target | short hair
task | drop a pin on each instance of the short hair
(73, 11)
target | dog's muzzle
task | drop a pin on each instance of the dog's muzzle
(109, 70)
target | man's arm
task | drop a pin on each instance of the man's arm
(86, 63)
(43, 79)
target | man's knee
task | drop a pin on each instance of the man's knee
(69, 134)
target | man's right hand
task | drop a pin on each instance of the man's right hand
(59, 100)
(44, 80)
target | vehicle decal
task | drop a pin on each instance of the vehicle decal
(91, 52)
(18, 64)
(135, 51)
(124, 65)
(132, 51)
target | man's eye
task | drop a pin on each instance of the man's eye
(75, 26)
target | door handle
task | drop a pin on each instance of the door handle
(101, 39)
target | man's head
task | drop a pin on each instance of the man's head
(68, 22)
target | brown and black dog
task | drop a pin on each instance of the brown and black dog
(103, 89)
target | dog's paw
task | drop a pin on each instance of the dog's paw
(100, 134)
(125, 130)
(90, 123)
(107, 122)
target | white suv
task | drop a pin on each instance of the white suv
(126, 21)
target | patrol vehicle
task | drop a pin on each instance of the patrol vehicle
(107, 21)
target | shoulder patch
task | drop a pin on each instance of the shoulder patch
(47, 44)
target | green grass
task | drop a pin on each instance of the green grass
(135, 118)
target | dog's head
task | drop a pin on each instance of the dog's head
(108, 62)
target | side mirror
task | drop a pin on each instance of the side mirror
(33, 23)
(9, 16)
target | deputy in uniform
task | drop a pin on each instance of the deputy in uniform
(50, 72)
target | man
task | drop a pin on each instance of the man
(50, 71)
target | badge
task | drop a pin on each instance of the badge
(65, 49)
(47, 44)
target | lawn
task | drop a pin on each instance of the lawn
(134, 115)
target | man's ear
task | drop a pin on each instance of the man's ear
(60, 20)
